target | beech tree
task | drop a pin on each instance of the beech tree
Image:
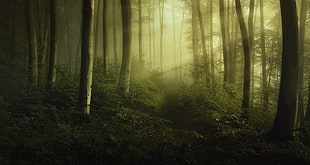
(32, 47)
(287, 103)
(87, 56)
(224, 39)
(51, 77)
(247, 61)
(125, 67)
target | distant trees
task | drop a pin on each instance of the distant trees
(87, 57)
(285, 119)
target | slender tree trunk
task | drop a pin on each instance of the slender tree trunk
(247, 61)
(224, 39)
(87, 57)
(153, 32)
(51, 77)
(174, 47)
(97, 27)
(42, 39)
(32, 47)
(285, 119)
(69, 47)
(180, 47)
(114, 36)
(307, 117)
(104, 38)
(150, 35)
(302, 31)
(125, 68)
(141, 62)
(161, 13)
(251, 45)
(264, 58)
(211, 43)
(195, 41)
(203, 41)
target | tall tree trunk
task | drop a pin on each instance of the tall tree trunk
(302, 31)
(51, 77)
(87, 57)
(285, 119)
(251, 45)
(264, 58)
(247, 61)
(153, 32)
(114, 36)
(150, 35)
(203, 41)
(174, 46)
(180, 47)
(44, 42)
(211, 43)
(69, 41)
(224, 39)
(97, 27)
(161, 16)
(32, 47)
(195, 41)
(141, 62)
(125, 68)
(307, 117)
(104, 38)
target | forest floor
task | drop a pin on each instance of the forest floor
(154, 125)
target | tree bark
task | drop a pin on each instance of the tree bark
(302, 31)
(203, 41)
(224, 39)
(125, 68)
(32, 48)
(114, 36)
(87, 57)
(285, 119)
(141, 62)
(251, 45)
(161, 17)
(104, 38)
(195, 42)
(247, 62)
(211, 43)
(51, 77)
(264, 58)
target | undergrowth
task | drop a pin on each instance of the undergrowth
(193, 125)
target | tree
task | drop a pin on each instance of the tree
(211, 43)
(87, 56)
(285, 118)
(203, 40)
(140, 34)
(51, 77)
(104, 38)
(32, 47)
(247, 61)
(251, 45)
(264, 59)
(195, 41)
(224, 39)
(125, 67)
(302, 31)
(161, 17)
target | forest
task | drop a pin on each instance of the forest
(154, 82)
